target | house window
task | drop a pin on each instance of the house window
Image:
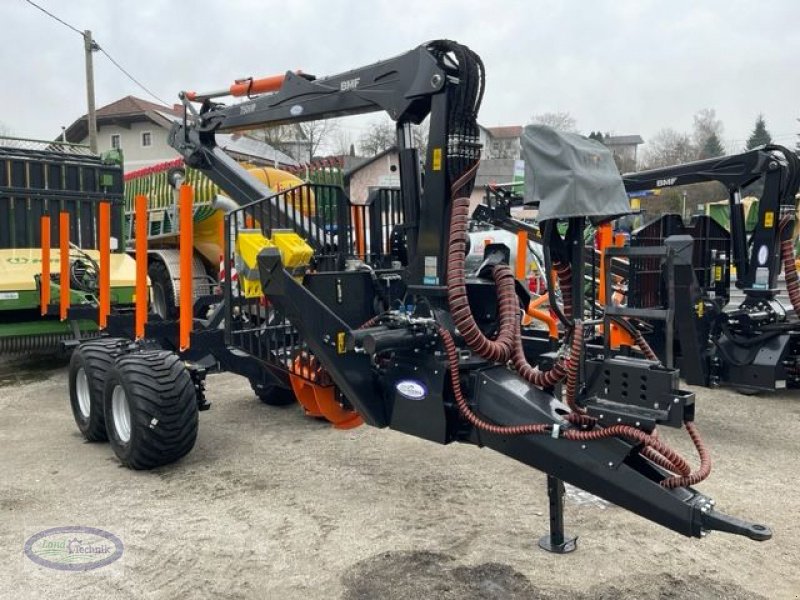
(147, 139)
(115, 142)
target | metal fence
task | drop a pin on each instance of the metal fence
(40, 178)
(337, 231)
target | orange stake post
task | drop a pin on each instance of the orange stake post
(44, 281)
(605, 237)
(104, 245)
(522, 254)
(63, 239)
(358, 225)
(186, 248)
(141, 265)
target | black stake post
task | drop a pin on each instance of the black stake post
(557, 541)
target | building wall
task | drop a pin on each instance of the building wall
(625, 157)
(504, 148)
(135, 155)
(374, 175)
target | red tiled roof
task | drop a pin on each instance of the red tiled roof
(127, 109)
(132, 105)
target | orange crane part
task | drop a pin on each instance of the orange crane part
(63, 240)
(318, 400)
(141, 265)
(243, 87)
(104, 244)
(186, 316)
(533, 313)
(605, 239)
(44, 280)
(522, 255)
(537, 302)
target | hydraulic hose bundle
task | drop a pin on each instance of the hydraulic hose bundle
(790, 267)
(508, 344)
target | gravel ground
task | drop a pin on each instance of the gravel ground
(274, 505)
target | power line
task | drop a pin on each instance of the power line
(96, 46)
(131, 77)
(52, 16)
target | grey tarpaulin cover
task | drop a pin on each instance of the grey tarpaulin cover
(571, 176)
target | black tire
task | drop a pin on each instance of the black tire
(273, 395)
(88, 368)
(161, 408)
(163, 291)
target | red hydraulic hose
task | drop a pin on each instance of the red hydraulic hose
(790, 268)
(508, 345)
(499, 349)
(564, 275)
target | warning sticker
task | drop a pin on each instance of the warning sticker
(431, 275)
(769, 218)
(436, 161)
(340, 346)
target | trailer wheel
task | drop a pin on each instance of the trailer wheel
(151, 409)
(163, 291)
(273, 395)
(88, 368)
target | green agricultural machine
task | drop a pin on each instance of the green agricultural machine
(48, 189)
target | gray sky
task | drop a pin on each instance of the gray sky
(623, 66)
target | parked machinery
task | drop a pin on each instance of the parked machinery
(54, 194)
(369, 314)
(754, 346)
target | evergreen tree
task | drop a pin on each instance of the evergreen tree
(597, 136)
(711, 148)
(760, 135)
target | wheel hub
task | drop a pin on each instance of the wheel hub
(121, 413)
(82, 391)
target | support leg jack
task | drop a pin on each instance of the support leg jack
(557, 541)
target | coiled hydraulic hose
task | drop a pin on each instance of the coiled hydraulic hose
(790, 267)
(657, 450)
(508, 345)
(564, 275)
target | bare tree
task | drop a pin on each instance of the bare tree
(561, 121)
(318, 133)
(4, 129)
(342, 143)
(669, 147)
(380, 136)
(300, 141)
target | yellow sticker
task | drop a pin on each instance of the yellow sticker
(700, 308)
(340, 347)
(437, 159)
(718, 273)
(769, 218)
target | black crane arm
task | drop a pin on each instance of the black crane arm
(780, 169)
(401, 86)
(734, 172)
(441, 79)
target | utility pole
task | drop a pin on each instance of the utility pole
(90, 46)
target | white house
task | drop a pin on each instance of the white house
(140, 127)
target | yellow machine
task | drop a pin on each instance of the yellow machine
(208, 217)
